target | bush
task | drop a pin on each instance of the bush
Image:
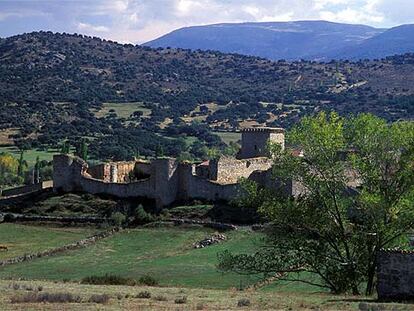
(144, 295)
(148, 280)
(108, 279)
(160, 298)
(118, 218)
(46, 297)
(141, 217)
(244, 302)
(104, 299)
(200, 306)
(181, 300)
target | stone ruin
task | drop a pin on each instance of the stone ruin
(214, 239)
(395, 275)
(167, 181)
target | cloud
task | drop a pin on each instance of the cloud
(138, 21)
(92, 28)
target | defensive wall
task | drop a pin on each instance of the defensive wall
(167, 180)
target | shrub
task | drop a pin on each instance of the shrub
(181, 300)
(141, 217)
(108, 279)
(46, 297)
(104, 299)
(40, 288)
(244, 302)
(144, 295)
(200, 306)
(148, 280)
(118, 218)
(160, 298)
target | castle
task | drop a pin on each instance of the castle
(167, 181)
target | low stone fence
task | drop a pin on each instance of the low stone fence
(10, 217)
(210, 224)
(76, 245)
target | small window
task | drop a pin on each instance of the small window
(255, 147)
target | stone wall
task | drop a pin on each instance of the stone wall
(168, 180)
(255, 141)
(27, 189)
(395, 275)
(113, 171)
(228, 170)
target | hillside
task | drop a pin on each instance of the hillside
(312, 40)
(397, 40)
(57, 86)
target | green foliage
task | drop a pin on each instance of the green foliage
(148, 280)
(108, 279)
(82, 149)
(118, 218)
(141, 217)
(358, 181)
(65, 148)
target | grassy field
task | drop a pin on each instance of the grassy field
(228, 137)
(122, 110)
(164, 253)
(22, 239)
(163, 298)
(31, 155)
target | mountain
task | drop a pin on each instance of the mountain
(52, 86)
(312, 40)
(397, 40)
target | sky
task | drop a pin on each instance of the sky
(139, 21)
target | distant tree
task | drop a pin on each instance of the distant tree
(82, 149)
(65, 149)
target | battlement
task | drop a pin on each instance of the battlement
(263, 130)
(255, 141)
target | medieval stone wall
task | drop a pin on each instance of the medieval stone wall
(255, 141)
(395, 275)
(168, 180)
(228, 170)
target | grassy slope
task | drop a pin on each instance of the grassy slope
(122, 110)
(31, 155)
(165, 253)
(210, 299)
(22, 239)
(228, 137)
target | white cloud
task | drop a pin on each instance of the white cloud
(92, 28)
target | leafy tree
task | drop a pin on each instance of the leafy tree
(357, 195)
(22, 165)
(82, 149)
(8, 169)
(65, 149)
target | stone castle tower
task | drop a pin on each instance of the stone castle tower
(256, 139)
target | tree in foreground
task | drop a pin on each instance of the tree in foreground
(357, 176)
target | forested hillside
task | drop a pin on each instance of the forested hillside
(53, 86)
